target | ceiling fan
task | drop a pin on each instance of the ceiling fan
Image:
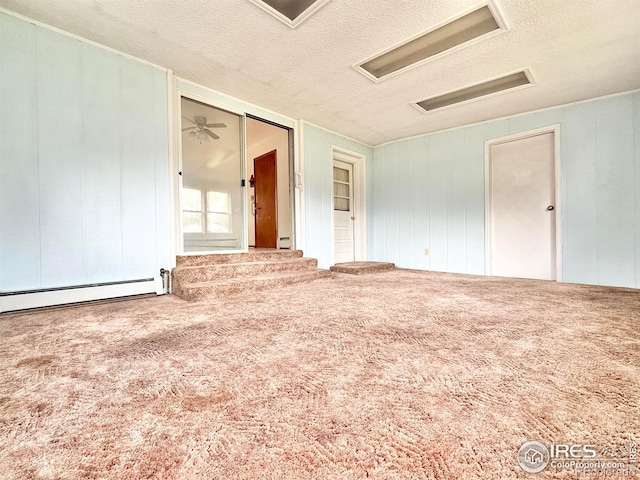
(200, 129)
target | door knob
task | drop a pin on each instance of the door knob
(550, 207)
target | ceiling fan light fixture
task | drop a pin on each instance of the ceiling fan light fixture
(510, 82)
(453, 34)
(199, 128)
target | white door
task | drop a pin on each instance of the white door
(521, 209)
(343, 212)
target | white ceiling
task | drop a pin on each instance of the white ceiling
(576, 49)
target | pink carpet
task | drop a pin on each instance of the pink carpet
(394, 375)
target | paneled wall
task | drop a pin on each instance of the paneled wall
(428, 192)
(84, 187)
(318, 190)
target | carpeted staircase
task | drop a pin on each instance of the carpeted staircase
(197, 277)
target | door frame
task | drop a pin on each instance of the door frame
(294, 182)
(358, 161)
(177, 87)
(352, 209)
(555, 131)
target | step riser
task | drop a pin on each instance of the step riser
(209, 273)
(194, 294)
(360, 268)
(225, 258)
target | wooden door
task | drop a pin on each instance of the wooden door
(265, 175)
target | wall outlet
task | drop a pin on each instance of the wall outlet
(426, 251)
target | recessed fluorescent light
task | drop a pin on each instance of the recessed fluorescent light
(290, 12)
(444, 38)
(492, 87)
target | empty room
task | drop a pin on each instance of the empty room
(330, 239)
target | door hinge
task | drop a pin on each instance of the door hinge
(243, 183)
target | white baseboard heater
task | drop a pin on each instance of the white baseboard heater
(24, 300)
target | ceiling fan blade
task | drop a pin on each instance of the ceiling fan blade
(188, 120)
(216, 125)
(211, 134)
(188, 128)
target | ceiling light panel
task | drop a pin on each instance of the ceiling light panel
(291, 12)
(492, 87)
(471, 26)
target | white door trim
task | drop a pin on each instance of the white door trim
(298, 186)
(555, 130)
(359, 199)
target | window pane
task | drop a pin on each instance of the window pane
(341, 204)
(340, 174)
(191, 199)
(341, 189)
(192, 222)
(217, 202)
(217, 223)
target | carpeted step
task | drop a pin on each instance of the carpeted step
(194, 292)
(358, 268)
(251, 256)
(222, 271)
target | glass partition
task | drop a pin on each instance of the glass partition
(212, 198)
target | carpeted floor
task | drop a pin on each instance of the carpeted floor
(396, 375)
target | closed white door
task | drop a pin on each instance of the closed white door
(522, 232)
(343, 212)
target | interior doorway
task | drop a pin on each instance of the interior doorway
(270, 192)
(522, 209)
(213, 188)
(265, 204)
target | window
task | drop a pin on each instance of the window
(216, 205)
(218, 220)
(192, 210)
(341, 189)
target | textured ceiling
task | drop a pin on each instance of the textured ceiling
(576, 49)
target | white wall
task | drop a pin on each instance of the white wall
(318, 190)
(84, 194)
(429, 193)
(84, 177)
